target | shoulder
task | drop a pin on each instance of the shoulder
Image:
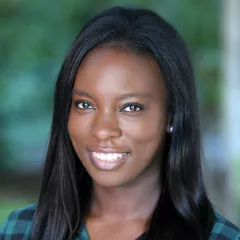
(225, 230)
(18, 224)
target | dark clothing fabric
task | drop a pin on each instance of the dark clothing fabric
(18, 226)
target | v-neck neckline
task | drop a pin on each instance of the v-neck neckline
(83, 234)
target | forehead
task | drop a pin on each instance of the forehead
(118, 71)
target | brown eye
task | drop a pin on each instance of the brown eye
(132, 108)
(83, 105)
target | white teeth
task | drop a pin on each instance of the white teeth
(108, 156)
(101, 156)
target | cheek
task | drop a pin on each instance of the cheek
(147, 130)
(78, 128)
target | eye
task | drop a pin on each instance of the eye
(83, 105)
(132, 108)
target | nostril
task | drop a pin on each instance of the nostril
(106, 130)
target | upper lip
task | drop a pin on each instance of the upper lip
(106, 150)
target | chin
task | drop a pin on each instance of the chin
(109, 180)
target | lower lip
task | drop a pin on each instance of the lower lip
(108, 165)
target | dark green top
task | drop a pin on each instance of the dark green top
(19, 223)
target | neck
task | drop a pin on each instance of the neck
(133, 201)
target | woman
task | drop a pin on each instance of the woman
(123, 160)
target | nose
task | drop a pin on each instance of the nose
(105, 127)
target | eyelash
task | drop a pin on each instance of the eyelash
(135, 105)
(82, 102)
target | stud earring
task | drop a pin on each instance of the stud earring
(170, 129)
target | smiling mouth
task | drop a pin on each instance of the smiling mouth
(108, 161)
(111, 157)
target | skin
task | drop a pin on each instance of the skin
(123, 198)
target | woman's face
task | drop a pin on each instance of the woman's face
(118, 117)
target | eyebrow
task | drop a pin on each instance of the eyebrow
(122, 97)
(82, 94)
(134, 94)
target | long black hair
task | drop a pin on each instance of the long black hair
(183, 210)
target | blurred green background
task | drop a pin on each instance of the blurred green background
(34, 38)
